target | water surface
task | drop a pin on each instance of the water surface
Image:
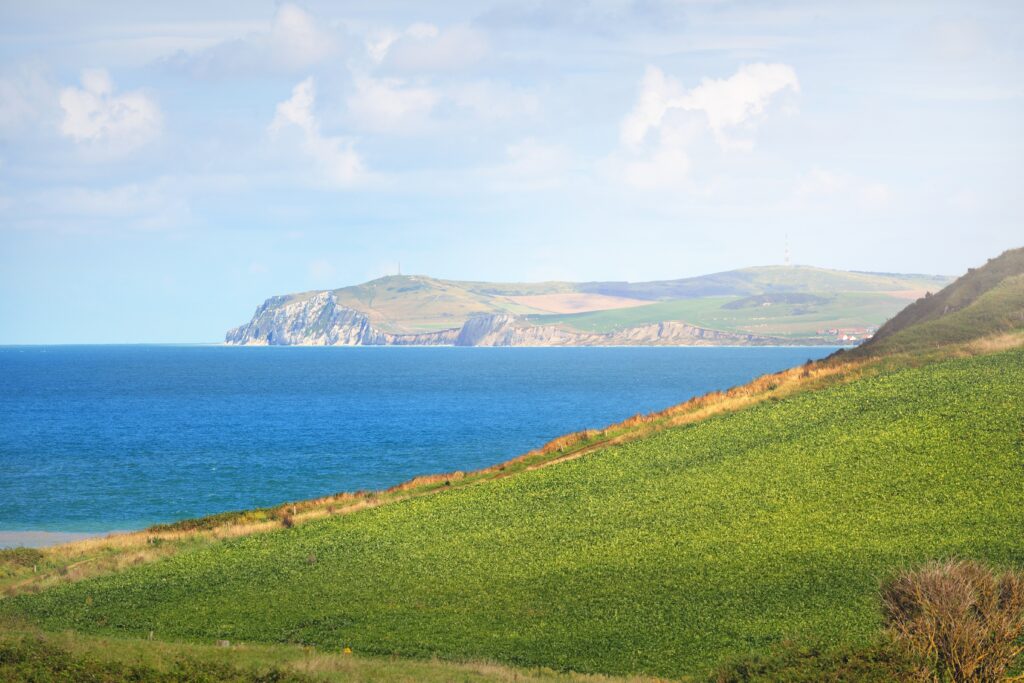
(94, 438)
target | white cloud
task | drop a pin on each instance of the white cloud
(292, 41)
(377, 44)
(95, 115)
(295, 40)
(424, 47)
(726, 103)
(658, 135)
(391, 105)
(821, 185)
(340, 164)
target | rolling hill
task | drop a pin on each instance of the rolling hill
(775, 304)
(985, 301)
(721, 528)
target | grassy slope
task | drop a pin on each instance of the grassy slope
(27, 654)
(660, 555)
(759, 280)
(999, 309)
(958, 295)
(785, 320)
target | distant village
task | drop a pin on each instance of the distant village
(849, 334)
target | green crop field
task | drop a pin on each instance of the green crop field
(858, 309)
(663, 555)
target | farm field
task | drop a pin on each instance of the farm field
(663, 555)
(797, 320)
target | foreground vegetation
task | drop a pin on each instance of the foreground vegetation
(28, 654)
(661, 555)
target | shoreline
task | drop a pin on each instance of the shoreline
(45, 539)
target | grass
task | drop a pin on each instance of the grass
(786, 320)
(719, 537)
(959, 295)
(999, 309)
(28, 654)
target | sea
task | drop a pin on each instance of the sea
(100, 438)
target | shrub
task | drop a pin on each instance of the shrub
(35, 659)
(876, 662)
(959, 619)
(21, 557)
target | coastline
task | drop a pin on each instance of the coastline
(45, 539)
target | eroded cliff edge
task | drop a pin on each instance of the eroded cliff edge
(321, 321)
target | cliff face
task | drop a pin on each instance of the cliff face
(322, 321)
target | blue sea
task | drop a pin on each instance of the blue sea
(94, 438)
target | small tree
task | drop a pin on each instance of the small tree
(959, 619)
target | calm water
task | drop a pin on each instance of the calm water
(117, 437)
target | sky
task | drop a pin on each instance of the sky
(165, 167)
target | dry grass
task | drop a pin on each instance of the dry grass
(94, 556)
(962, 621)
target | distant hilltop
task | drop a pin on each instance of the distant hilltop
(771, 305)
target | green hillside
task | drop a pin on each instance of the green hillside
(766, 279)
(662, 555)
(987, 300)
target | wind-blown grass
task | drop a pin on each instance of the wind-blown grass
(663, 554)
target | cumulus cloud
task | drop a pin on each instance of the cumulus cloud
(293, 41)
(391, 105)
(340, 164)
(424, 47)
(95, 115)
(726, 103)
(668, 119)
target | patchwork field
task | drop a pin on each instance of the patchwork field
(662, 555)
(772, 317)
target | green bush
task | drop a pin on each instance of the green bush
(34, 660)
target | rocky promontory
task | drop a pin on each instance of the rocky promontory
(321, 321)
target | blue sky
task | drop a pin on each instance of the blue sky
(163, 169)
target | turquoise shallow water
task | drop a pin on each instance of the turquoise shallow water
(118, 437)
